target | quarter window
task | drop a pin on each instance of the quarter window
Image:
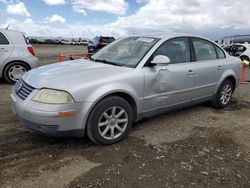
(220, 53)
(177, 50)
(3, 39)
(204, 50)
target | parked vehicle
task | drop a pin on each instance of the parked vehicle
(57, 42)
(49, 41)
(33, 41)
(239, 50)
(17, 56)
(99, 42)
(36, 41)
(73, 42)
(132, 78)
(82, 42)
(66, 42)
(41, 41)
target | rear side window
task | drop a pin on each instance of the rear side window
(220, 53)
(204, 50)
(3, 39)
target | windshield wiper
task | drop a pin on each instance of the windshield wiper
(92, 59)
(106, 62)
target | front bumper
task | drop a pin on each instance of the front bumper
(45, 119)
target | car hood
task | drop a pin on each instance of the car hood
(71, 74)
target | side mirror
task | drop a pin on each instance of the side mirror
(161, 60)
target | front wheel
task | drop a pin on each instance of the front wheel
(110, 121)
(224, 94)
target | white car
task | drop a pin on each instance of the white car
(66, 42)
(239, 50)
(83, 42)
(17, 56)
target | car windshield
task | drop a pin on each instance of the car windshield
(125, 52)
(107, 39)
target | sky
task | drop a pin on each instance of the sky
(88, 18)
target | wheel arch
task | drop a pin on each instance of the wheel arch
(13, 61)
(232, 79)
(124, 95)
(244, 55)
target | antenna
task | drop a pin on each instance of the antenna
(8, 27)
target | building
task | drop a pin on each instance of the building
(236, 39)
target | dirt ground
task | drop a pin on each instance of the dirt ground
(49, 53)
(194, 147)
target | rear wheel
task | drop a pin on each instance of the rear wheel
(244, 58)
(14, 71)
(110, 121)
(224, 94)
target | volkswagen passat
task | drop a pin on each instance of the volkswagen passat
(132, 78)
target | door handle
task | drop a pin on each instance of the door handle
(190, 72)
(220, 67)
(163, 69)
(3, 50)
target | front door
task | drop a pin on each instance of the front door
(172, 84)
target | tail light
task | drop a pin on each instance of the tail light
(31, 50)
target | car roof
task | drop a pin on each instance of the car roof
(246, 44)
(14, 37)
(12, 31)
(107, 37)
(169, 35)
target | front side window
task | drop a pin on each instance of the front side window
(3, 39)
(125, 52)
(177, 50)
(204, 50)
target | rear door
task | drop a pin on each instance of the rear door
(207, 68)
(5, 49)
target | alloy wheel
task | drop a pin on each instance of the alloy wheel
(113, 123)
(226, 94)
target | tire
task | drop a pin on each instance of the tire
(14, 71)
(224, 94)
(102, 121)
(244, 58)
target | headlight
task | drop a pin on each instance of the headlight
(52, 96)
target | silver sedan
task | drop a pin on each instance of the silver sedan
(131, 78)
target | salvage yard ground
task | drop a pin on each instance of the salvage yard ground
(195, 147)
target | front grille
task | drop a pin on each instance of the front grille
(22, 89)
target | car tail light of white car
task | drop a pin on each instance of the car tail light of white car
(31, 50)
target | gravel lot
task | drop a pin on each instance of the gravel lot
(195, 147)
